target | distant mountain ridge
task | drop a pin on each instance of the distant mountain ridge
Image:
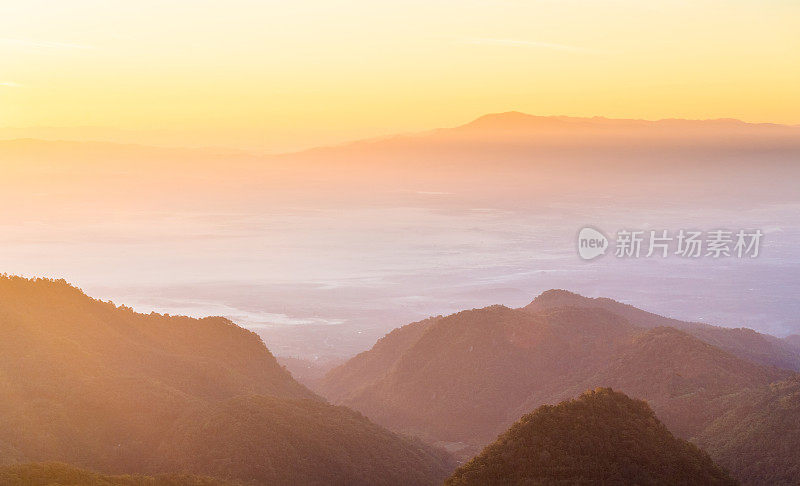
(510, 122)
(602, 437)
(459, 380)
(517, 124)
(743, 342)
(95, 385)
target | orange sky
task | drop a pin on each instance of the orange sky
(280, 76)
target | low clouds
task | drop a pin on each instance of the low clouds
(10, 84)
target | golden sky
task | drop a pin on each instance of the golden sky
(281, 75)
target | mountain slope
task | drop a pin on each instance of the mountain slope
(760, 437)
(742, 342)
(470, 375)
(371, 365)
(603, 437)
(99, 386)
(49, 474)
(688, 383)
(466, 372)
(260, 438)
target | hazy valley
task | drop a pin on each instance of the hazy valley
(324, 251)
(417, 243)
(324, 257)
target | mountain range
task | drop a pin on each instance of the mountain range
(460, 380)
(99, 386)
(743, 342)
(511, 124)
(95, 385)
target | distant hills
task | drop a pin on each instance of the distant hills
(603, 437)
(460, 380)
(514, 132)
(511, 124)
(533, 159)
(743, 342)
(99, 386)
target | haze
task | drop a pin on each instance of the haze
(273, 76)
(323, 252)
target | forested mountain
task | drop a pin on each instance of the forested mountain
(465, 376)
(742, 342)
(470, 375)
(687, 382)
(603, 437)
(263, 438)
(88, 383)
(760, 436)
(370, 365)
(58, 474)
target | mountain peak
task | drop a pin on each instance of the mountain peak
(557, 298)
(103, 387)
(516, 120)
(602, 437)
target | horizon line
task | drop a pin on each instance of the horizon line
(421, 132)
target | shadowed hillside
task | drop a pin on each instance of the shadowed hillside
(466, 372)
(371, 365)
(100, 386)
(688, 383)
(603, 437)
(263, 438)
(743, 342)
(49, 474)
(761, 436)
(469, 376)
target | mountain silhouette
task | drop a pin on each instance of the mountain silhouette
(458, 381)
(99, 386)
(603, 437)
(742, 342)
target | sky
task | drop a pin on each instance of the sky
(277, 76)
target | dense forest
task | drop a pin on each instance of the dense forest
(603, 437)
(99, 386)
(58, 474)
(460, 380)
(759, 438)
